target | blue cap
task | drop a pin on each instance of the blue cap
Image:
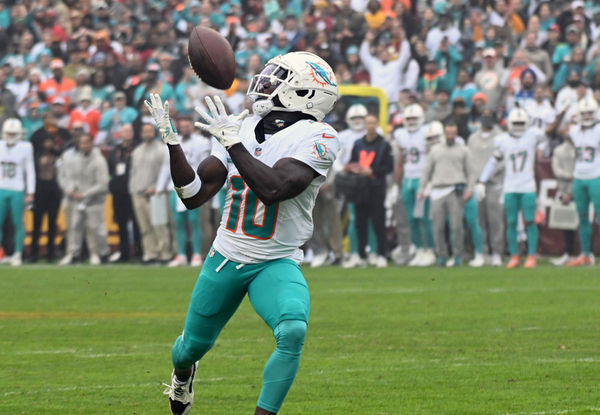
(352, 50)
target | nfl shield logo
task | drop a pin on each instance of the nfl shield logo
(257, 151)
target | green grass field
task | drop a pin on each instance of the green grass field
(86, 340)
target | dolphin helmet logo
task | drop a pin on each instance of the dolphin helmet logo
(320, 75)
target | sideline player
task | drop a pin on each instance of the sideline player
(586, 174)
(273, 164)
(410, 167)
(518, 148)
(17, 181)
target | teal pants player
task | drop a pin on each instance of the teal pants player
(279, 294)
(526, 202)
(584, 192)
(472, 220)
(410, 189)
(182, 220)
(13, 201)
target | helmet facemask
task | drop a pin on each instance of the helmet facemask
(517, 128)
(357, 123)
(265, 86)
(588, 118)
(413, 124)
(12, 131)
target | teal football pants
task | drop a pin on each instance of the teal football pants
(182, 219)
(279, 294)
(410, 189)
(472, 220)
(13, 201)
(526, 202)
(584, 192)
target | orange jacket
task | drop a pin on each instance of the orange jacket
(53, 89)
(91, 117)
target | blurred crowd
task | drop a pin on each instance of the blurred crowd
(74, 75)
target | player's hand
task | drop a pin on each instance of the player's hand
(479, 192)
(225, 128)
(468, 194)
(29, 199)
(160, 113)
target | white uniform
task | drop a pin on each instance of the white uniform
(18, 169)
(414, 150)
(587, 147)
(252, 233)
(347, 138)
(519, 159)
(541, 114)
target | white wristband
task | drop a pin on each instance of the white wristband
(190, 189)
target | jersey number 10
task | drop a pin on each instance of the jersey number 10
(264, 230)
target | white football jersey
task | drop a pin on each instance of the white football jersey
(587, 148)
(17, 167)
(347, 138)
(519, 159)
(251, 232)
(414, 150)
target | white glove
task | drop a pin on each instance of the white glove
(161, 117)
(225, 128)
(479, 192)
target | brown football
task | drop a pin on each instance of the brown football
(211, 57)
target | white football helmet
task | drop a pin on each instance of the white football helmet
(413, 117)
(588, 111)
(12, 131)
(296, 81)
(517, 122)
(434, 133)
(355, 117)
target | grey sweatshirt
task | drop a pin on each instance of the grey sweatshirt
(482, 148)
(146, 162)
(448, 166)
(88, 175)
(563, 163)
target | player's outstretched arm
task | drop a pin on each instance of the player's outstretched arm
(286, 179)
(211, 176)
(192, 188)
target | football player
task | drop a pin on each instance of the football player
(272, 165)
(196, 148)
(17, 182)
(518, 148)
(411, 140)
(586, 184)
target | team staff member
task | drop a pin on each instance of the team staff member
(449, 172)
(372, 157)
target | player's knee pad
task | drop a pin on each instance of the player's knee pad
(289, 335)
(186, 350)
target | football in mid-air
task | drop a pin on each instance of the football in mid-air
(211, 57)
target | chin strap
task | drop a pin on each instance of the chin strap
(262, 107)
